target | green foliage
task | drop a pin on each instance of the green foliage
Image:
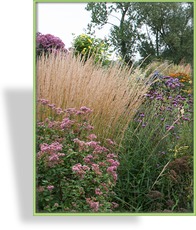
(87, 46)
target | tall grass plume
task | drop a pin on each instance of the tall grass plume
(114, 93)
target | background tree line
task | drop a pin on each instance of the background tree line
(155, 30)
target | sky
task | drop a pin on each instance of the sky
(64, 19)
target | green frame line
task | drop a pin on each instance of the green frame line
(34, 115)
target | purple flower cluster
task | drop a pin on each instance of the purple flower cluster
(172, 83)
(48, 43)
(171, 107)
(155, 95)
(169, 127)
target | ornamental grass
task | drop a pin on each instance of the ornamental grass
(114, 93)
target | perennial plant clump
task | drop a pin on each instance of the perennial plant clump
(158, 138)
(75, 173)
(86, 46)
(47, 43)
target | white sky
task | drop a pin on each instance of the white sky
(63, 19)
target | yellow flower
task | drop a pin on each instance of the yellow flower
(90, 40)
(83, 51)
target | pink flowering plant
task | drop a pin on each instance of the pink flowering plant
(75, 172)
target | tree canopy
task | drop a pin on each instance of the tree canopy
(160, 30)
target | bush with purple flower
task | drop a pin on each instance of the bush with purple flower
(47, 43)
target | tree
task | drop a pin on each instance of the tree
(163, 30)
(124, 33)
(169, 30)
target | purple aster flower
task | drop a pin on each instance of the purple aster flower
(168, 127)
(142, 115)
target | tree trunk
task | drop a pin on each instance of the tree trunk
(123, 39)
(157, 43)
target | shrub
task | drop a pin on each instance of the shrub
(47, 43)
(75, 173)
(87, 46)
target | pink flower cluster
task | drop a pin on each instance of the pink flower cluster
(96, 169)
(113, 168)
(92, 137)
(113, 162)
(93, 205)
(51, 153)
(92, 163)
(94, 145)
(88, 159)
(86, 126)
(82, 111)
(55, 146)
(58, 110)
(80, 169)
(43, 101)
(66, 123)
(98, 191)
(110, 142)
(80, 143)
(86, 110)
(98, 150)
